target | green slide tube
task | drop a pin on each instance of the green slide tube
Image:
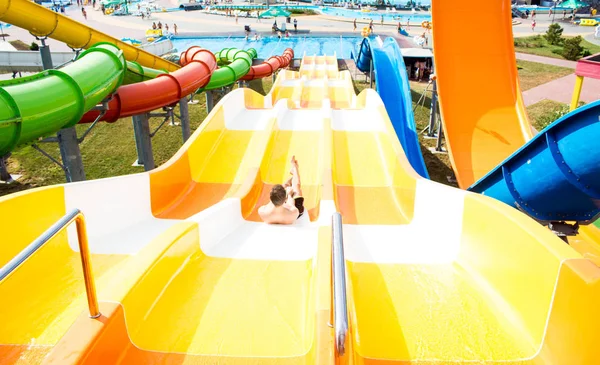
(42, 104)
(138, 73)
(236, 64)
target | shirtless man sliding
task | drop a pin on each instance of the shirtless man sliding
(287, 203)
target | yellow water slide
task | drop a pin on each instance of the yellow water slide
(185, 272)
(42, 22)
(183, 269)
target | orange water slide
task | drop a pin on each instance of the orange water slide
(271, 65)
(480, 99)
(166, 89)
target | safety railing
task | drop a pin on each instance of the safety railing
(338, 278)
(73, 216)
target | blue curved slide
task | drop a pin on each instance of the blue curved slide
(556, 176)
(393, 87)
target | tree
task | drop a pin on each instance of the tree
(554, 34)
(572, 48)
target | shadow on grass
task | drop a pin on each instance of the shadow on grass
(438, 167)
(416, 96)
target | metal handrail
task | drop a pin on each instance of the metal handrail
(74, 216)
(338, 277)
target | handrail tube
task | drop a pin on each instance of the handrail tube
(74, 216)
(340, 306)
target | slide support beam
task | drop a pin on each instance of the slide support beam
(185, 119)
(577, 92)
(70, 154)
(5, 176)
(210, 101)
(143, 141)
(433, 114)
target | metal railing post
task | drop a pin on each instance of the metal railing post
(74, 216)
(339, 299)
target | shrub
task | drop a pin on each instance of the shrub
(572, 48)
(586, 52)
(554, 34)
(302, 11)
(34, 46)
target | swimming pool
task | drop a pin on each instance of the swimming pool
(376, 16)
(271, 46)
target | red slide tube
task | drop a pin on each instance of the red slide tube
(164, 90)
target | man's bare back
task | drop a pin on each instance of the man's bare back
(286, 204)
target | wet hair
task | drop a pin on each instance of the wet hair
(278, 195)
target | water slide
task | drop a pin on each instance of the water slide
(490, 140)
(270, 66)
(42, 22)
(392, 85)
(234, 64)
(186, 273)
(27, 114)
(165, 89)
(198, 72)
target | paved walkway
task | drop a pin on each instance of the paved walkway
(546, 60)
(561, 90)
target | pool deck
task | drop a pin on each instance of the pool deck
(200, 23)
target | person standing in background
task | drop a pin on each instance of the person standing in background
(175, 28)
(354, 23)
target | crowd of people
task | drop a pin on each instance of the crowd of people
(159, 25)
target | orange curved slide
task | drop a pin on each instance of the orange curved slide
(480, 99)
(271, 65)
(164, 90)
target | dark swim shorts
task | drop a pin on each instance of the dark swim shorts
(299, 203)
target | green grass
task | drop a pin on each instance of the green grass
(532, 74)
(545, 112)
(537, 45)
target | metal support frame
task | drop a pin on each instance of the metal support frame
(434, 106)
(71, 154)
(143, 141)
(184, 117)
(210, 101)
(339, 305)
(5, 176)
(84, 250)
(563, 230)
(45, 53)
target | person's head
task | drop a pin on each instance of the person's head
(278, 195)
